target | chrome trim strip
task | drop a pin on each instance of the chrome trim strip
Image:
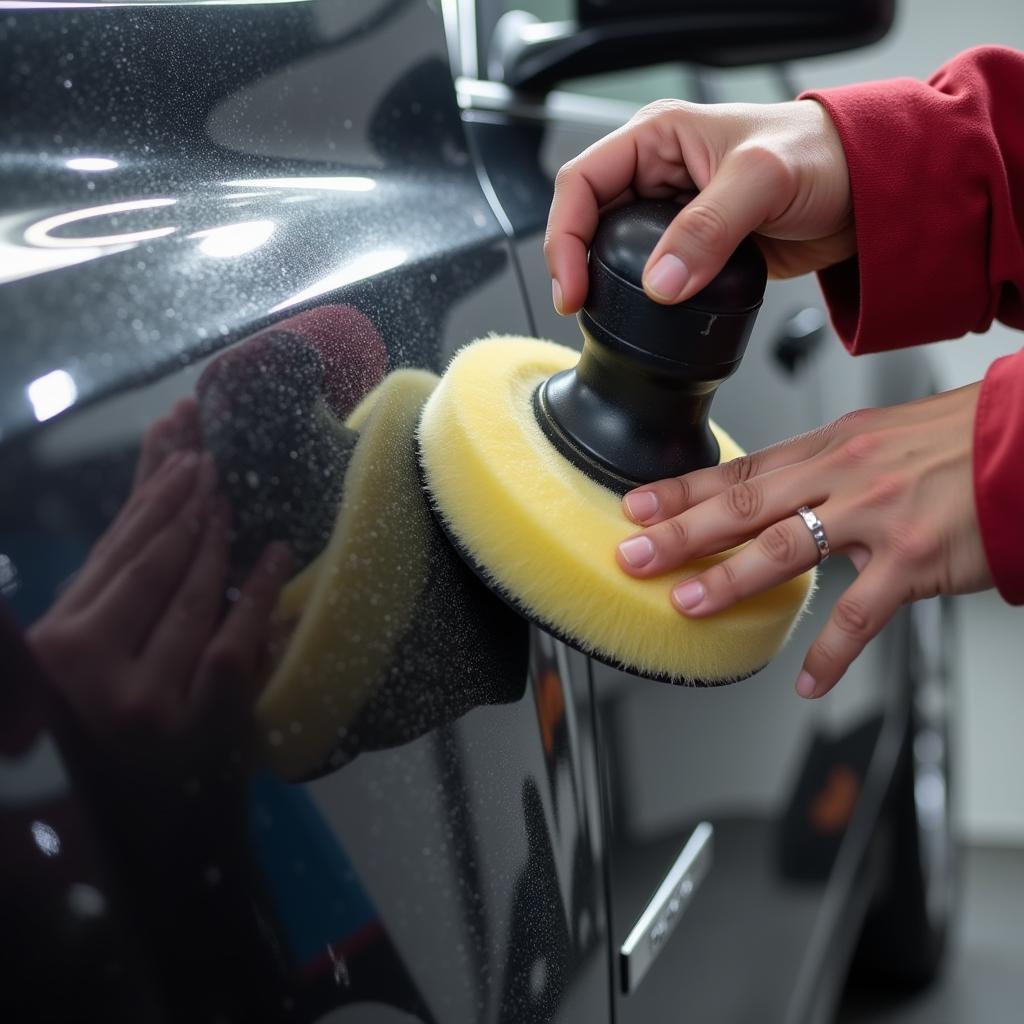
(651, 932)
(459, 17)
(576, 108)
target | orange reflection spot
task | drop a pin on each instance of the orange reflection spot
(831, 810)
(550, 707)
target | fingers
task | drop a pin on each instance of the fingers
(178, 430)
(186, 625)
(582, 187)
(782, 551)
(229, 670)
(749, 188)
(859, 615)
(732, 516)
(140, 590)
(149, 509)
(659, 501)
(594, 179)
(669, 497)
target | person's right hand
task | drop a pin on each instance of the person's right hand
(775, 169)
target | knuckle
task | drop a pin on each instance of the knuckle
(744, 501)
(858, 449)
(683, 489)
(566, 173)
(854, 422)
(779, 544)
(772, 171)
(722, 578)
(852, 619)
(676, 534)
(738, 471)
(821, 654)
(705, 225)
(913, 543)
(885, 490)
(659, 110)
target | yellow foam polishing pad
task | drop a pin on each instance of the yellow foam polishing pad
(346, 612)
(544, 534)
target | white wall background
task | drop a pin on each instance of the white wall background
(990, 753)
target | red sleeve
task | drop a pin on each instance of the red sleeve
(937, 180)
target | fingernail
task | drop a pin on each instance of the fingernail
(637, 551)
(556, 296)
(689, 594)
(668, 277)
(806, 684)
(641, 505)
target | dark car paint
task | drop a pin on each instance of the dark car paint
(479, 855)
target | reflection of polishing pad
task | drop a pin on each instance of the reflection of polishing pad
(390, 634)
(544, 534)
(350, 607)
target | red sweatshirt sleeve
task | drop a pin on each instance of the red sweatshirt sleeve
(937, 180)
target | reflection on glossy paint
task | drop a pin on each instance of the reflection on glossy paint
(342, 183)
(20, 261)
(362, 267)
(52, 394)
(234, 239)
(41, 232)
(91, 163)
(46, 838)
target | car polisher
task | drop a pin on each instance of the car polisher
(527, 447)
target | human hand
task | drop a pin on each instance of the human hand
(892, 487)
(136, 643)
(775, 169)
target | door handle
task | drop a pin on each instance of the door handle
(799, 338)
(651, 932)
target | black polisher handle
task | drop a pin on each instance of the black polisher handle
(636, 406)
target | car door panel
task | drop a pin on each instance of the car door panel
(270, 212)
(792, 789)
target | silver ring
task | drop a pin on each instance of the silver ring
(817, 531)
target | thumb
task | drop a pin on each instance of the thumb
(696, 245)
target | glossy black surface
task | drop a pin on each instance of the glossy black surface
(232, 230)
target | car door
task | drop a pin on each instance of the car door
(776, 889)
(255, 231)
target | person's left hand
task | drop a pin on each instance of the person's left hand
(141, 642)
(893, 489)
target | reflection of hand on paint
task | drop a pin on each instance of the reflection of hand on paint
(389, 634)
(138, 643)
